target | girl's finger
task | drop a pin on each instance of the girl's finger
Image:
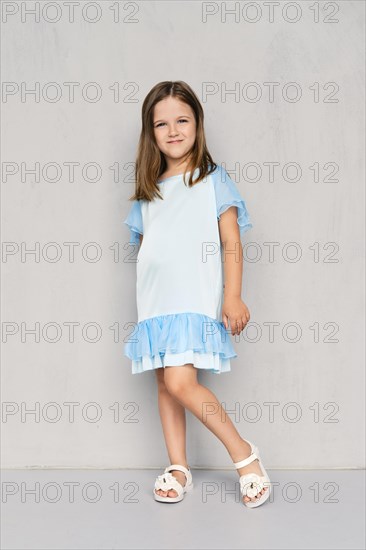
(236, 326)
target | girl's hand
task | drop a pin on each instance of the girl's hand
(235, 311)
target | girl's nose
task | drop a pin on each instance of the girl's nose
(173, 131)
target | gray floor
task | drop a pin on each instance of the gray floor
(115, 509)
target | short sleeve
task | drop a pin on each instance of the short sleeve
(228, 195)
(134, 222)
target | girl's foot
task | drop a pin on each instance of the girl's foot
(252, 468)
(172, 493)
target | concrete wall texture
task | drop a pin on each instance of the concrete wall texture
(282, 88)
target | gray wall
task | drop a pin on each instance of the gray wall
(310, 289)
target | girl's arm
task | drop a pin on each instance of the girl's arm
(233, 309)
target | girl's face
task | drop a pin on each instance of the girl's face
(174, 127)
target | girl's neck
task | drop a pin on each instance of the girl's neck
(174, 169)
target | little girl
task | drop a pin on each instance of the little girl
(187, 216)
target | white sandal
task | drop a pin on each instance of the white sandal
(252, 484)
(167, 481)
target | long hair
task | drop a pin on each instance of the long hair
(150, 161)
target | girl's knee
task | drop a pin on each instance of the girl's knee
(178, 382)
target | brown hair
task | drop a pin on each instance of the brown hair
(150, 161)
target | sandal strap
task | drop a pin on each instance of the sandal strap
(253, 456)
(181, 468)
(246, 461)
(166, 482)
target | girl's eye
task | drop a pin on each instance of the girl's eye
(161, 123)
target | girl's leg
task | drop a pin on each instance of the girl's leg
(173, 420)
(181, 382)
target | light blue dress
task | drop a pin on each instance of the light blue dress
(179, 274)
